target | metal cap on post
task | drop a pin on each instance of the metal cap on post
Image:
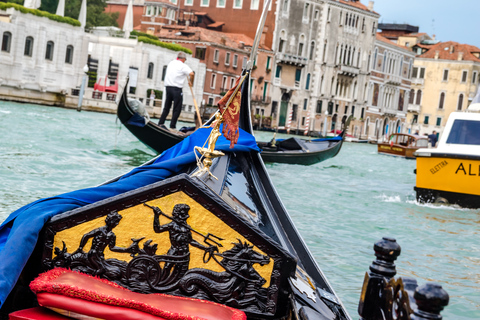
(387, 251)
(431, 298)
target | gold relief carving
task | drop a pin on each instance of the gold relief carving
(137, 222)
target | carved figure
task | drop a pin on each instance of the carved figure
(101, 238)
(180, 234)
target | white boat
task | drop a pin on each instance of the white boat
(451, 172)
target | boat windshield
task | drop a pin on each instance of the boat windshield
(422, 143)
(465, 132)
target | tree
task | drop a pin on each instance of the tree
(96, 16)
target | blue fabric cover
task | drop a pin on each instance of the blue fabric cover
(20, 231)
(137, 120)
(336, 138)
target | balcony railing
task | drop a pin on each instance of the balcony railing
(261, 99)
(348, 70)
(418, 81)
(414, 108)
(291, 59)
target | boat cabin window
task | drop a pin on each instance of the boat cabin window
(422, 143)
(465, 132)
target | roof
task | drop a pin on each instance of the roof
(216, 24)
(233, 40)
(383, 39)
(357, 4)
(451, 50)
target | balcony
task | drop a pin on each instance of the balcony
(261, 99)
(414, 108)
(291, 59)
(393, 80)
(418, 81)
(348, 70)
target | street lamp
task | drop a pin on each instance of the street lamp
(325, 124)
(82, 88)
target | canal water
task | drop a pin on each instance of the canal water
(340, 206)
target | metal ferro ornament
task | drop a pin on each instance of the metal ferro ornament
(209, 153)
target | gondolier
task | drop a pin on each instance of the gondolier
(175, 76)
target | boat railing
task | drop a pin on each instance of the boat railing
(386, 297)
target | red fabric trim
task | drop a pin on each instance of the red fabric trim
(83, 287)
(37, 313)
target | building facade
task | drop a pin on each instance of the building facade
(322, 63)
(388, 91)
(445, 79)
(42, 61)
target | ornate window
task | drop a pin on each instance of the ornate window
(69, 54)
(6, 41)
(150, 71)
(49, 50)
(28, 47)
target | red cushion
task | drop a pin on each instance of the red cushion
(37, 313)
(84, 294)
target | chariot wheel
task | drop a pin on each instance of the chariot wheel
(144, 269)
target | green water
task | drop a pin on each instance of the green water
(340, 206)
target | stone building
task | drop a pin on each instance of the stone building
(445, 78)
(322, 63)
(42, 61)
(388, 90)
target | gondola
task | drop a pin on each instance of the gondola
(198, 232)
(293, 150)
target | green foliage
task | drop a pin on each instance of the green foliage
(96, 16)
(151, 39)
(158, 93)
(54, 17)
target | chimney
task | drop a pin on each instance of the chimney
(241, 45)
(433, 37)
(370, 5)
(460, 56)
(437, 53)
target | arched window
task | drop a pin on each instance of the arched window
(283, 39)
(28, 47)
(6, 41)
(69, 54)
(460, 102)
(150, 71)
(419, 97)
(312, 49)
(442, 100)
(300, 45)
(49, 50)
(412, 96)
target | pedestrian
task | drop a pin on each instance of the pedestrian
(433, 138)
(417, 133)
(152, 98)
(175, 76)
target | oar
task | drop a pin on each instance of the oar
(198, 123)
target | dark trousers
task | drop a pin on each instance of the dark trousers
(176, 95)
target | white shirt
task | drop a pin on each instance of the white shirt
(176, 73)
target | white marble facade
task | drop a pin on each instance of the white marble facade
(46, 73)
